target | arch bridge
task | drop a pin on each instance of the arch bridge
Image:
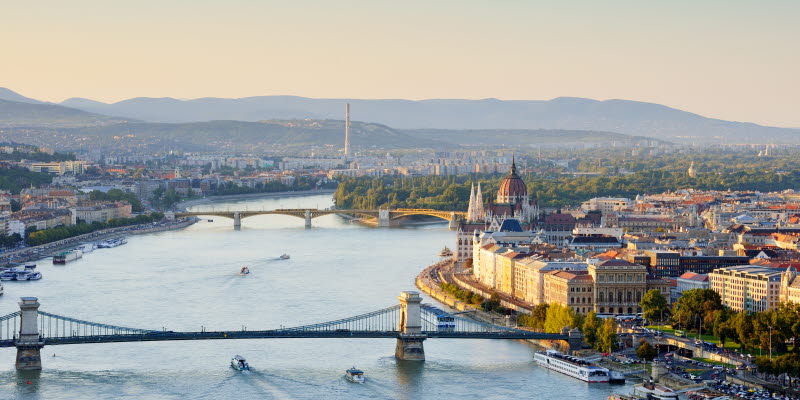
(383, 216)
(410, 323)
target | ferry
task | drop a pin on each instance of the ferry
(572, 366)
(445, 252)
(67, 256)
(26, 273)
(355, 375)
(239, 363)
(284, 256)
(28, 276)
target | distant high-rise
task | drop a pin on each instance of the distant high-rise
(346, 131)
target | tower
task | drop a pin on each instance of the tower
(346, 131)
(471, 208)
(691, 171)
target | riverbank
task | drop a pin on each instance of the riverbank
(53, 248)
(183, 205)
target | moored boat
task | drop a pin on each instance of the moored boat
(355, 375)
(572, 366)
(87, 247)
(67, 256)
(446, 252)
(239, 363)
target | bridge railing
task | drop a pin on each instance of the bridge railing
(9, 326)
(384, 320)
(59, 326)
(438, 320)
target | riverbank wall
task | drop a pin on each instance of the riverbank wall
(53, 248)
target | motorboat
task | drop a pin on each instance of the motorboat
(284, 256)
(239, 363)
(244, 271)
(28, 276)
(355, 375)
(8, 275)
(445, 252)
(87, 247)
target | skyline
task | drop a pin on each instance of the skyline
(728, 60)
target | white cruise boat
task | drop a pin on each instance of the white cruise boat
(355, 375)
(239, 363)
(87, 247)
(572, 366)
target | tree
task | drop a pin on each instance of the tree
(646, 351)
(690, 310)
(743, 324)
(590, 327)
(558, 317)
(654, 305)
(607, 336)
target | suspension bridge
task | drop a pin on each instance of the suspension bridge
(384, 217)
(409, 322)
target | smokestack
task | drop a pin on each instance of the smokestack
(346, 131)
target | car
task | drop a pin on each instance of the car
(718, 367)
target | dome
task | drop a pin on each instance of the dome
(513, 190)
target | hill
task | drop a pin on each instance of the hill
(569, 113)
(278, 135)
(19, 114)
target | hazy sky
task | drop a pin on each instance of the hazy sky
(736, 60)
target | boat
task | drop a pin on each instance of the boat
(284, 256)
(239, 363)
(28, 276)
(445, 252)
(621, 397)
(355, 375)
(244, 271)
(8, 275)
(572, 366)
(67, 256)
(110, 243)
(1, 289)
(651, 391)
(87, 247)
(210, 220)
(616, 377)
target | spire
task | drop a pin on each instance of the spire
(471, 209)
(513, 164)
(480, 214)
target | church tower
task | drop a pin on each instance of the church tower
(691, 171)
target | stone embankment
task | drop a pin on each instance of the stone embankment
(52, 248)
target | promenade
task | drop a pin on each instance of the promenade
(52, 248)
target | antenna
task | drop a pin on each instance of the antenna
(346, 131)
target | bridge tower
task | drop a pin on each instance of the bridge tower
(384, 220)
(29, 344)
(237, 220)
(307, 215)
(409, 344)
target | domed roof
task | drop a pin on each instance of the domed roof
(512, 186)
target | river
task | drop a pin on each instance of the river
(183, 280)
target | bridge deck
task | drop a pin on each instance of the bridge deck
(284, 334)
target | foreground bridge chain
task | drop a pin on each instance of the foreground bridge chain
(383, 216)
(410, 323)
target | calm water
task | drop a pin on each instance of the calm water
(188, 279)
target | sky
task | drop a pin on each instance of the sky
(729, 59)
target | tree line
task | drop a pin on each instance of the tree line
(39, 237)
(449, 193)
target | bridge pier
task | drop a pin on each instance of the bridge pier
(29, 344)
(453, 225)
(237, 220)
(574, 339)
(307, 215)
(409, 345)
(384, 219)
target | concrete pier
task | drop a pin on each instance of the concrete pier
(453, 224)
(384, 220)
(409, 345)
(308, 218)
(237, 220)
(29, 344)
